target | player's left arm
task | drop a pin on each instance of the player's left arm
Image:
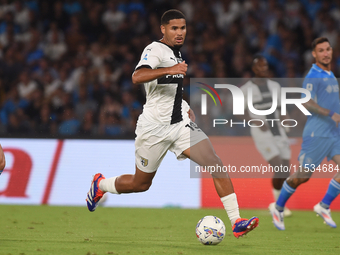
(192, 115)
(312, 84)
(187, 108)
(312, 106)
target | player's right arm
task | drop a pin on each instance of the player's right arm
(146, 74)
(149, 66)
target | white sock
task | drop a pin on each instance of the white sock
(276, 193)
(231, 206)
(108, 185)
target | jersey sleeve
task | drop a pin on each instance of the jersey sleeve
(151, 57)
(310, 84)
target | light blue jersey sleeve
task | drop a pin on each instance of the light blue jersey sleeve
(312, 85)
(324, 89)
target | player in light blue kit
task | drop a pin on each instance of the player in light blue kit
(321, 135)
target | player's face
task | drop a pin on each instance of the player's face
(323, 53)
(260, 68)
(174, 32)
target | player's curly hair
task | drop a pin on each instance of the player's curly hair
(171, 14)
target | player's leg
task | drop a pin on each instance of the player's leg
(314, 150)
(149, 151)
(273, 149)
(276, 151)
(278, 180)
(279, 177)
(322, 208)
(288, 188)
(204, 155)
(128, 183)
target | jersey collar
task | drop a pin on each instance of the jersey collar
(175, 51)
(319, 69)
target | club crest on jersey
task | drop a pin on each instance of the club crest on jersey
(145, 57)
(144, 161)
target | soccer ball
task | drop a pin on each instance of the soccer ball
(210, 230)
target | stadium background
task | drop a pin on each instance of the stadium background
(65, 73)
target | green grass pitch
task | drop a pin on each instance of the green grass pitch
(74, 230)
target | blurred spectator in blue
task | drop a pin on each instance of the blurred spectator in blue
(12, 104)
(72, 7)
(130, 105)
(84, 104)
(112, 125)
(88, 127)
(312, 7)
(34, 53)
(69, 124)
(32, 5)
(42, 68)
(9, 20)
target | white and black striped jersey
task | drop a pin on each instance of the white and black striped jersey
(262, 100)
(164, 104)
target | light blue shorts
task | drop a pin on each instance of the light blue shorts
(315, 149)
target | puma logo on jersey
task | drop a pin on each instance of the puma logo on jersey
(149, 49)
(173, 59)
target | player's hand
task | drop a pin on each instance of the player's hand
(180, 68)
(191, 115)
(336, 118)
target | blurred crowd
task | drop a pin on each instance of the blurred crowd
(66, 66)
